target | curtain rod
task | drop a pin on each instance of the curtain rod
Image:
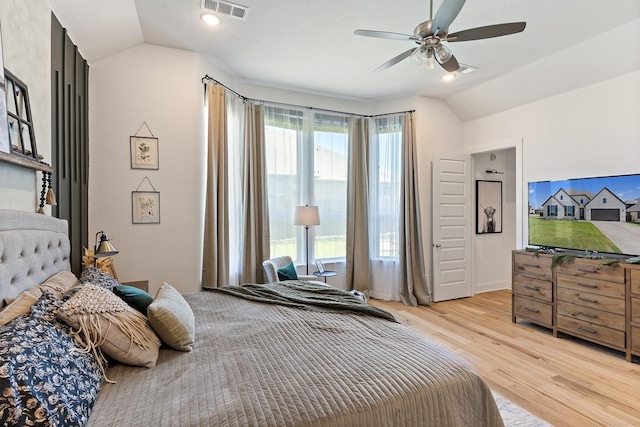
(244, 98)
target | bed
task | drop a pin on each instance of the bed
(253, 362)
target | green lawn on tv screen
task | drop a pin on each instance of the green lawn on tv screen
(569, 234)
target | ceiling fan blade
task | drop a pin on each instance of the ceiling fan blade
(451, 65)
(385, 35)
(447, 12)
(487, 32)
(393, 61)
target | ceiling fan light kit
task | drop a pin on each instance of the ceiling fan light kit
(430, 35)
(210, 19)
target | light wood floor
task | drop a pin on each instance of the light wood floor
(565, 381)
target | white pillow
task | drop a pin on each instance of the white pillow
(172, 318)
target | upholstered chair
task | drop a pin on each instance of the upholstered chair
(271, 267)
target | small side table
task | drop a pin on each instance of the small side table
(140, 284)
(325, 274)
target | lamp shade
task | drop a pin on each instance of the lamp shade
(306, 215)
(105, 248)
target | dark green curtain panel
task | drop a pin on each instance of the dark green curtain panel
(70, 138)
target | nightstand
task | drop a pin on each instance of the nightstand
(140, 284)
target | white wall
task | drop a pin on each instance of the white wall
(592, 131)
(161, 87)
(26, 48)
(489, 251)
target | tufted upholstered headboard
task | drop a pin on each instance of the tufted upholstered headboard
(33, 247)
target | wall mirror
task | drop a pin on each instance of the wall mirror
(22, 149)
(21, 137)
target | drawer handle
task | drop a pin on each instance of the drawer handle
(532, 288)
(593, 301)
(533, 310)
(586, 285)
(532, 265)
(591, 331)
(584, 270)
(592, 316)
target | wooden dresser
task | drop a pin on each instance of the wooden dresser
(586, 298)
(532, 296)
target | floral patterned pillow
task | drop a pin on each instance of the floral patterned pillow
(44, 379)
(97, 277)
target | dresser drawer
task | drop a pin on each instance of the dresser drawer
(635, 339)
(591, 332)
(531, 265)
(587, 299)
(536, 311)
(594, 286)
(591, 315)
(593, 270)
(635, 280)
(533, 288)
(635, 310)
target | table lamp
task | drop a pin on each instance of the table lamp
(104, 248)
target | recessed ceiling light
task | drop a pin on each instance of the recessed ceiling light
(210, 19)
(448, 77)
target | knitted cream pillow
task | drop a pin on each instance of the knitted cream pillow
(172, 318)
(102, 322)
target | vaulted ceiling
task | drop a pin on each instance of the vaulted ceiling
(309, 45)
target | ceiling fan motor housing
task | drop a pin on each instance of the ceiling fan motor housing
(424, 30)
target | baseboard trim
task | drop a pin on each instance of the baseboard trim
(489, 287)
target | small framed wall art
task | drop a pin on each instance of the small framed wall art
(488, 207)
(145, 207)
(144, 152)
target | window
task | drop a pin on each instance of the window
(306, 157)
(385, 172)
(330, 137)
(552, 210)
(569, 211)
(235, 134)
(604, 200)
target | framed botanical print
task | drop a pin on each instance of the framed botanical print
(145, 207)
(144, 152)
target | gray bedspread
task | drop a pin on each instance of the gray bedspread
(257, 364)
(307, 296)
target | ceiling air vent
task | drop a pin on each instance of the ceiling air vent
(465, 69)
(226, 8)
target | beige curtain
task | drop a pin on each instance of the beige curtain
(413, 281)
(215, 262)
(255, 247)
(358, 259)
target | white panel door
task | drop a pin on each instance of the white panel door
(452, 224)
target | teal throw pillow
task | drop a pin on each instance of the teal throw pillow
(288, 272)
(136, 298)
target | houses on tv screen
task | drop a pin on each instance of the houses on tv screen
(586, 206)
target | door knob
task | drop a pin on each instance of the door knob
(437, 245)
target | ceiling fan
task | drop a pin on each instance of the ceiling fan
(429, 35)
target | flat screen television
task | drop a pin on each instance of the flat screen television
(600, 214)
